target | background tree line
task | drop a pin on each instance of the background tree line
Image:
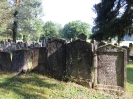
(21, 19)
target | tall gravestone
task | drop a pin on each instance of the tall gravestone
(39, 58)
(56, 56)
(79, 59)
(5, 61)
(20, 60)
(43, 42)
(110, 68)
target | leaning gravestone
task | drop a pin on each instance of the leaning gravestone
(5, 61)
(20, 60)
(39, 58)
(56, 58)
(110, 68)
(79, 59)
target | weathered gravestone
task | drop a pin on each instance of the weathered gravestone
(79, 59)
(110, 68)
(127, 50)
(82, 37)
(13, 47)
(56, 56)
(131, 51)
(20, 60)
(5, 61)
(43, 42)
(39, 58)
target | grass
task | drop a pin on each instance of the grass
(36, 86)
(129, 84)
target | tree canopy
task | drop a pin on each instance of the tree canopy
(114, 19)
(20, 16)
(51, 29)
(74, 29)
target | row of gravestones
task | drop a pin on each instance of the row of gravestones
(10, 46)
(74, 61)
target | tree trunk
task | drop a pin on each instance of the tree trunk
(15, 24)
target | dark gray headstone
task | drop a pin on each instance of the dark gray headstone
(110, 68)
(20, 60)
(5, 61)
(79, 59)
(56, 58)
(82, 37)
(39, 58)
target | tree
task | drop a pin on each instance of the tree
(5, 18)
(114, 19)
(74, 29)
(24, 14)
(51, 29)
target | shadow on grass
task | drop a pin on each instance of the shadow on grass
(28, 87)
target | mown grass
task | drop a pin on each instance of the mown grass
(36, 86)
(129, 84)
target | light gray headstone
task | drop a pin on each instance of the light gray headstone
(43, 42)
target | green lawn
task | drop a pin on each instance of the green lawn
(129, 84)
(35, 86)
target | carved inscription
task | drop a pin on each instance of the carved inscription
(107, 73)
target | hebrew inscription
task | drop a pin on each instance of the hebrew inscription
(110, 69)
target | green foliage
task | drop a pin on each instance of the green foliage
(25, 38)
(74, 28)
(51, 29)
(23, 17)
(19, 36)
(114, 19)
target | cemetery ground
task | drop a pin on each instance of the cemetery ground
(36, 86)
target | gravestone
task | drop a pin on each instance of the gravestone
(110, 68)
(5, 61)
(127, 50)
(43, 42)
(37, 44)
(82, 37)
(56, 58)
(26, 45)
(20, 60)
(79, 59)
(39, 58)
(130, 51)
(13, 47)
